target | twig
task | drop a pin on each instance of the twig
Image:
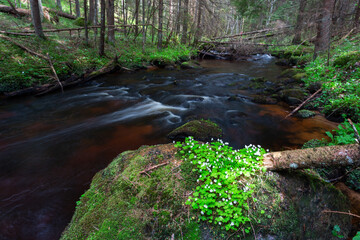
(355, 131)
(346, 174)
(303, 103)
(345, 213)
(153, 167)
(54, 72)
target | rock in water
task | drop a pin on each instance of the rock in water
(202, 130)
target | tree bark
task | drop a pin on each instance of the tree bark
(102, 29)
(357, 15)
(299, 22)
(178, 18)
(330, 156)
(160, 34)
(86, 23)
(322, 42)
(91, 16)
(144, 27)
(137, 9)
(35, 14)
(111, 21)
(185, 22)
(58, 4)
(77, 8)
(198, 27)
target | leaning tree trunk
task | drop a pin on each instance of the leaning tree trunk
(324, 28)
(102, 29)
(330, 156)
(110, 21)
(299, 22)
(36, 18)
(160, 33)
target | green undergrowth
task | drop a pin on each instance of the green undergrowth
(70, 55)
(342, 135)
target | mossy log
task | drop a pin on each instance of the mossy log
(320, 157)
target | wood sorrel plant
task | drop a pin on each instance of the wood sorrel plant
(224, 176)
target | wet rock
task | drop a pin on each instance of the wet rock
(299, 77)
(262, 99)
(305, 113)
(190, 65)
(293, 96)
(170, 67)
(202, 130)
(291, 72)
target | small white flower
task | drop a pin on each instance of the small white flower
(205, 206)
(202, 212)
(232, 224)
(219, 223)
(219, 184)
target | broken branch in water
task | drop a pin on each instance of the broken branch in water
(303, 103)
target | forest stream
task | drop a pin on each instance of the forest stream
(51, 147)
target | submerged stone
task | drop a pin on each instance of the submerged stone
(305, 113)
(202, 130)
(190, 65)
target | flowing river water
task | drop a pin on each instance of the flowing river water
(51, 147)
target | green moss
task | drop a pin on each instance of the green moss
(290, 72)
(299, 76)
(305, 113)
(347, 59)
(200, 129)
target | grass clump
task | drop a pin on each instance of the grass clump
(224, 177)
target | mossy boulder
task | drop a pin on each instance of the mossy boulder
(305, 113)
(347, 59)
(202, 130)
(293, 95)
(299, 77)
(190, 65)
(141, 195)
(290, 72)
(262, 99)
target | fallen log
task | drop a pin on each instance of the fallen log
(26, 12)
(329, 156)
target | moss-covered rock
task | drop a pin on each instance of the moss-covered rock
(202, 130)
(190, 65)
(299, 76)
(293, 95)
(123, 203)
(262, 99)
(79, 22)
(290, 72)
(347, 59)
(305, 113)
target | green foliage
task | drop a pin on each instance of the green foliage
(224, 190)
(344, 134)
(336, 232)
(357, 237)
(340, 81)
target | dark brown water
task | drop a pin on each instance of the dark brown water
(51, 147)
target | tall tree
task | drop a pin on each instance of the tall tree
(178, 18)
(357, 15)
(91, 16)
(58, 4)
(111, 20)
(198, 27)
(102, 29)
(136, 16)
(160, 33)
(36, 18)
(185, 16)
(86, 23)
(299, 22)
(322, 42)
(144, 27)
(77, 8)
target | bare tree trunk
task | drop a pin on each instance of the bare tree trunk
(324, 28)
(102, 29)
(153, 22)
(272, 2)
(160, 34)
(330, 156)
(137, 7)
(70, 5)
(58, 4)
(299, 22)
(198, 27)
(357, 15)
(35, 14)
(178, 18)
(91, 16)
(77, 8)
(111, 21)
(86, 23)
(41, 10)
(144, 27)
(185, 22)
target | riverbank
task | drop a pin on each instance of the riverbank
(73, 61)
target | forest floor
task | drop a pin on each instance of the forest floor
(70, 55)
